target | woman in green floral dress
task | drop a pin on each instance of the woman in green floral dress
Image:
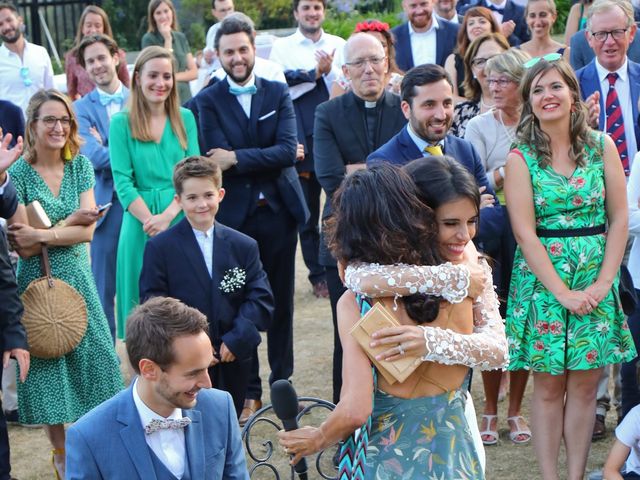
(61, 390)
(564, 186)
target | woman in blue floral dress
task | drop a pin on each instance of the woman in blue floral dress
(565, 188)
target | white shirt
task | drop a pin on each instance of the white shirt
(205, 242)
(423, 44)
(245, 99)
(623, 89)
(263, 68)
(34, 58)
(113, 107)
(211, 36)
(297, 52)
(168, 445)
(633, 196)
(628, 432)
(420, 142)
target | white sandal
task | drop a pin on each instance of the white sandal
(488, 432)
(519, 431)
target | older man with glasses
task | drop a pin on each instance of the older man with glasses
(25, 67)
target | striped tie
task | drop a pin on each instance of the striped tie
(615, 122)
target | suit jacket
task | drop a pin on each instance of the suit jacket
(12, 334)
(109, 441)
(173, 266)
(401, 149)
(446, 36)
(581, 53)
(11, 120)
(265, 147)
(91, 113)
(512, 11)
(589, 83)
(340, 139)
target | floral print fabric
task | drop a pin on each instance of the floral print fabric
(542, 334)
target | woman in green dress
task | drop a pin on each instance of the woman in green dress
(163, 31)
(61, 390)
(146, 140)
(564, 186)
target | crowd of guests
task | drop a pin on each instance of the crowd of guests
(462, 138)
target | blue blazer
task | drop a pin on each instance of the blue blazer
(581, 53)
(173, 266)
(11, 120)
(512, 11)
(91, 113)
(589, 83)
(264, 144)
(401, 149)
(446, 36)
(109, 441)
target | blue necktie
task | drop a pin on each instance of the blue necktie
(493, 8)
(251, 90)
(106, 99)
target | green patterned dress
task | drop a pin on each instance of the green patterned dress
(543, 336)
(63, 389)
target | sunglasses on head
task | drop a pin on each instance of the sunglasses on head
(549, 57)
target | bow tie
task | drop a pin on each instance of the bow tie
(106, 99)
(493, 8)
(166, 424)
(251, 90)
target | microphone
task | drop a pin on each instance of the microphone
(285, 405)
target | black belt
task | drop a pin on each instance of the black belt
(571, 232)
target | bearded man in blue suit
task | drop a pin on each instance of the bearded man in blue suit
(98, 54)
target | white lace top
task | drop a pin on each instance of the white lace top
(486, 348)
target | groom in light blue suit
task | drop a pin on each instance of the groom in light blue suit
(98, 54)
(170, 424)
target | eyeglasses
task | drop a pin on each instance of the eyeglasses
(480, 62)
(50, 121)
(549, 57)
(501, 82)
(617, 34)
(360, 63)
(26, 79)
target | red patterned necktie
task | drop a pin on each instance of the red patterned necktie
(615, 122)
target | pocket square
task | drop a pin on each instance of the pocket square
(264, 117)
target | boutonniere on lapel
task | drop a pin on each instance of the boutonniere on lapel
(233, 280)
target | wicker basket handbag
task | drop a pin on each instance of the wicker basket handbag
(55, 314)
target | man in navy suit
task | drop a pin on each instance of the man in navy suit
(212, 268)
(248, 125)
(11, 120)
(424, 38)
(427, 103)
(98, 54)
(13, 339)
(610, 30)
(510, 17)
(169, 423)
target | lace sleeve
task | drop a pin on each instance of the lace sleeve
(486, 348)
(448, 281)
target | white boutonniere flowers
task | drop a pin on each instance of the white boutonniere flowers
(233, 280)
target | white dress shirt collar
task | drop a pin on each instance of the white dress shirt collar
(113, 107)
(419, 141)
(205, 242)
(245, 99)
(623, 71)
(299, 37)
(434, 26)
(168, 445)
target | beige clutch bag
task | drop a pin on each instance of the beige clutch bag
(38, 218)
(375, 319)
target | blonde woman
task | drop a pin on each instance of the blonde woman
(61, 390)
(164, 31)
(146, 140)
(540, 16)
(93, 20)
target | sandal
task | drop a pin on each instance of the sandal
(519, 430)
(492, 434)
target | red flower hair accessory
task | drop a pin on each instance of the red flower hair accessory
(371, 26)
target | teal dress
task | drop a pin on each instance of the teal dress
(543, 335)
(412, 438)
(61, 390)
(142, 170)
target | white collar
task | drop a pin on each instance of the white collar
(623, 71)
(146, 414)
(200, 233)
(420, 142)
(434, 25)
(250, 83)
(499, 4)
(6, 52)
(301, 39)
(118, 90)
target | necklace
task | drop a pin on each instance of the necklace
(484, 106)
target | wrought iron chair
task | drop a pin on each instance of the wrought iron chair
(265, 458)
